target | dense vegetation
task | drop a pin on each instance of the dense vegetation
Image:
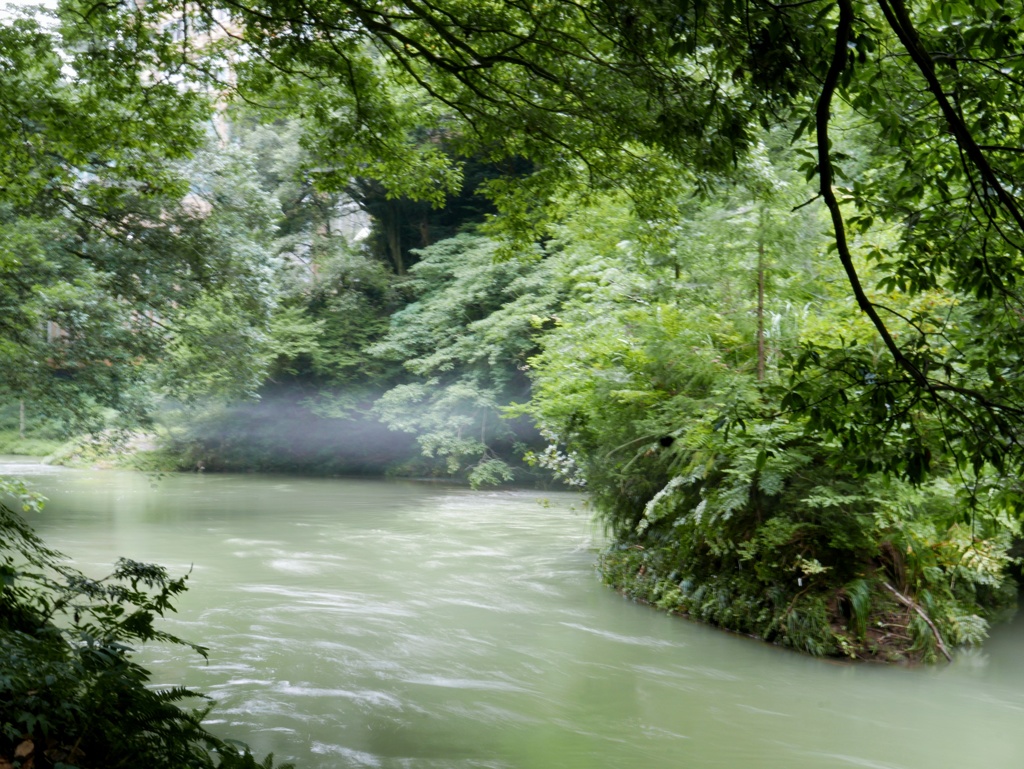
(727, 501)
(747, 272)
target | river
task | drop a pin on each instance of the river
(363, 623)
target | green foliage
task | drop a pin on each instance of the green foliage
(351, 300)
(82, 121)
(68, 679)
(465, 341)
(215, 351)
(41, 434)
(636, 96)
(12, 443)
(727, 500)
(116, 226)
(94, 304)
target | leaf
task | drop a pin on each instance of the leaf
(762, 457)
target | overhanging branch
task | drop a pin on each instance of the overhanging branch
(823, 113)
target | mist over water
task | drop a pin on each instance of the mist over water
(357, 623)
(289, 431)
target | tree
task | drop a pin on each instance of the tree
(103, 248)
(464, 342)
(723, 504)
(621, 94)
(82, 121)
(110, 236)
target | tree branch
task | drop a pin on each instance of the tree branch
(823, 114)
(896, 14)
(910, 604)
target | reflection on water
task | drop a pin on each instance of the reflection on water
(372, 624)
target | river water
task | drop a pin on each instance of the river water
(361, 623)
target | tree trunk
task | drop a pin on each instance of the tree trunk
(394, 226)
(761, 355)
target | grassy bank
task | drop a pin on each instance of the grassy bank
(868, 618)
(13, 443)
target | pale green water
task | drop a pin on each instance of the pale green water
(372, 624)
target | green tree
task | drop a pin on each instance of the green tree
(465, 341)
(115, 224)
(82, 121)
(723, 503)
(103, 247)
(623, 94)
(102, 312)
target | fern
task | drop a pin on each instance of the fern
(858, 593)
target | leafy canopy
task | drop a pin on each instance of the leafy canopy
(638, 95)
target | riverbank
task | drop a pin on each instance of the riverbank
(866, 619)
(14, 443)
(278, 435)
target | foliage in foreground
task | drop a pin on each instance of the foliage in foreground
(70, 694)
